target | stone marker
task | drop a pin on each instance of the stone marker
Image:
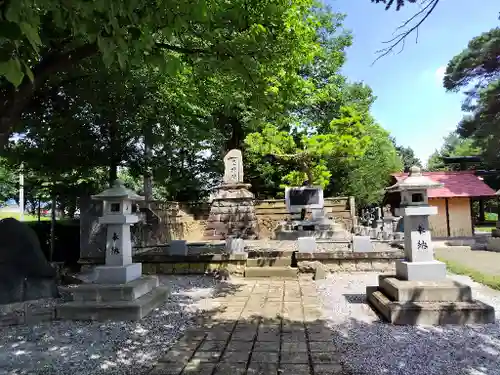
(233, 167)
(306, 244)
(319, 272)
(362, 244)
(178, 247)
(25, 273)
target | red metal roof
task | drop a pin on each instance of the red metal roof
(456, 184)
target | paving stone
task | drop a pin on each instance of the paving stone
(218, 335)
(212, 346)
(326, 335)
(260, 368)
(237, 357)
(273, 336)
(294, 369)
(242, 346)
(183, 345)
(166, 368)
(322, 346)
(192, 335)
(325, 357)
(293, 327)
(293, 336)
(206, 356)
(295, 357)
(328, 369)
(177, 356)
(244, 335)
(265, 357)
(231, 369)
(197, 368)
(294, 346)
(266, 346)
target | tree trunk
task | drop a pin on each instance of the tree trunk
(114, 149)
(148, 175)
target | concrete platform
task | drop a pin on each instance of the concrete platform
(429, 313)
(424, 291)
(113, 310)
(278, 272)
(111, 292)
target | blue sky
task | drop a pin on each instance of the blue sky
(411, 102)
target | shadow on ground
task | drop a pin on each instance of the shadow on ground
(246, 328)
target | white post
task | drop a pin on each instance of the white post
(21, 194)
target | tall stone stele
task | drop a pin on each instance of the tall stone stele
(232, 213)
(420, 292)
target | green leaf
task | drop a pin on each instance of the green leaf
(11, 70)
(28, 72)
(174, 65)
(32, 34)
(10, 30)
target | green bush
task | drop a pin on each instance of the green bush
(490, 216)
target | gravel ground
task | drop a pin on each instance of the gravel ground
(369, 346)
(83, 348)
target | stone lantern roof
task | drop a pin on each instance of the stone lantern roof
(414, 181)
(118, 192)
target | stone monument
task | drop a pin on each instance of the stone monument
(300, 199)
(232, 213)
(117, 289)
(420, 293)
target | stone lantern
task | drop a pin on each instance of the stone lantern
(419, 263)
(118, 217)
(420, 292)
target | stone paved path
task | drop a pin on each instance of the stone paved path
(260, 327)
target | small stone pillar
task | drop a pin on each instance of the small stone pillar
(419, 263)
(118, 217)
(233, 209)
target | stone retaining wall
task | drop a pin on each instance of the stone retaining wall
(346, 261)
(28, 312)
(191, 264)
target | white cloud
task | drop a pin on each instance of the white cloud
(439, 74)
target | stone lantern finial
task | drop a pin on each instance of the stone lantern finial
(415, 171)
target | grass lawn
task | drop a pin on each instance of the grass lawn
(493, 281)
(484, 229)
(27, 217)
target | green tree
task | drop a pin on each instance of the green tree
(407, 156)
(309, 150)
(8, 182)
(453, 145)
(369, 175)
(254, 41)
(476, 70)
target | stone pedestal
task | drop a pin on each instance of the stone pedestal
(232, 213)
(404, 302)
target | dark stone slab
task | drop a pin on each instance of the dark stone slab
(25, 273)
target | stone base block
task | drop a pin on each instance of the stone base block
(424, 291)
(269, 262)
(116, 310)
(118, 274)
(429, 313)
(362, 244)
(294, 235)
(306, 244)
(110, 292)
(493, 244)
(279, 272)
(420, 271)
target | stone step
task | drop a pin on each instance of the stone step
(429, 313)
(318, 234)
(269, 262)
(111, 292)
(279, 272)
(424, 291)
(269, 253)
(117, 310)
